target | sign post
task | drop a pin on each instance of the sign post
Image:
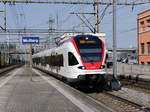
(30, 41)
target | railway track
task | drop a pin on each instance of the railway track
(117, 103)
(140, 84)
(6, 70)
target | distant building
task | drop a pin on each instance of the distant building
(5, 57)
(143, 24)
(122, 53)
(5, 47)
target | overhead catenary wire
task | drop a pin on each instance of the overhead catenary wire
(104, 13)
(139, 2)
(85, 1)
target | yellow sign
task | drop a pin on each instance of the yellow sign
(84, 41)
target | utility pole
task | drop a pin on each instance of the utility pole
(50, 22)
(5, 29)
(57, 20)
(96, 10)
(5, 15)
(114, 39)
(83, 7)
(115, 84)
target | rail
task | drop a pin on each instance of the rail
(8, 69)
(118, 103)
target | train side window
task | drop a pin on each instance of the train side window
(53, 60)
(60, 60)
(47, 60)
(39, 60)
(43, 61)
(72, 59)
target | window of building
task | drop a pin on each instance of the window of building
(72, 59)
(142, 26)
(142, 48)
(148, 47)
(148, 63)
(148, 24)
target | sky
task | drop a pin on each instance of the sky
(36, 16)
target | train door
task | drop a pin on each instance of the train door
(63, 62)
(72, 63)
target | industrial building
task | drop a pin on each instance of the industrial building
(143, 30)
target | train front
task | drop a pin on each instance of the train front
(91, 50)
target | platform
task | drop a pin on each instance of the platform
(43, 94)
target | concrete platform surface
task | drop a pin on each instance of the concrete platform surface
(43, 94)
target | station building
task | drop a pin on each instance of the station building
(143, 30)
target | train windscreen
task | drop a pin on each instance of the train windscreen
(90, 48)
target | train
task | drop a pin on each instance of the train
(78, 59)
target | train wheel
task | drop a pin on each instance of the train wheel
(64, 79)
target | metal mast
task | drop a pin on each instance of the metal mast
(115, 84)
(96, 10)
(114, 40)
(5, 14)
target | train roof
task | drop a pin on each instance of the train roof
(68, 36)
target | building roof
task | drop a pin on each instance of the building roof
(144, 14)
(144, 11)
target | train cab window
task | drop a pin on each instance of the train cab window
(90, 48)
(72, 59)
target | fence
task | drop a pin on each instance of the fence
(123, 68)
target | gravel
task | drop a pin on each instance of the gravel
(135, 96)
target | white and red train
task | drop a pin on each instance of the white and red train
(79, 59)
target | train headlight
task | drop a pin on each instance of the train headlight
(82, 67)
(102, 67)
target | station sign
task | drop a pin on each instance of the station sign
(30, 40)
